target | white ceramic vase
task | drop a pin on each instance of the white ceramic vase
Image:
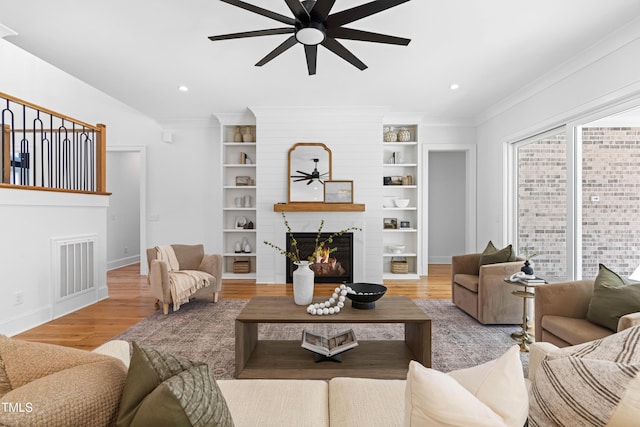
(303, 283)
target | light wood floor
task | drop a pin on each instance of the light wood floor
(130, 301)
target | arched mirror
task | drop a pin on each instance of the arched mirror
(309, 168)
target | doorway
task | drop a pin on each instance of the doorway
(126, 228)
(449, 202)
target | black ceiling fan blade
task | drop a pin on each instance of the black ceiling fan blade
(261, 11)
(365, 36)
(298, 10)
(257, 33)
(362, 11)
(321, 10)
(304, 173)
(278, 50)
(334, 46)
(311, 52)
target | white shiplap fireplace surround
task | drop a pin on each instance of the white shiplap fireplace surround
(354, 136)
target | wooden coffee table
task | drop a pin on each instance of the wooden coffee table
(384, 359)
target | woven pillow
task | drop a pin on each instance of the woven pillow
(164, 390)
(58, 386)
(613, 297)
(594, 383)
(491, 255)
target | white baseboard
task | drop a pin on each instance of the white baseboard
(122, 262)
(25, 321)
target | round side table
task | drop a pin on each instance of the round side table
(523, 336)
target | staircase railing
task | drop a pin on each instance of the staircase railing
(42, 149)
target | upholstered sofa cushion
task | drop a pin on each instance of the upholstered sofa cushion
(166, 390)
(58, 386)
(613, 297)
(594, 383)
(276, 403)
(492, 394)
(467, 281)
(571, 330)
(366, 402)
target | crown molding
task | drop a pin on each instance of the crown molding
(612, 43)
(6, 31)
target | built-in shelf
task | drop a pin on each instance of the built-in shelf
(401, 164)
(238, 160)
(318, 207)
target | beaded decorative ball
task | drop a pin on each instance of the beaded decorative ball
(333, 305)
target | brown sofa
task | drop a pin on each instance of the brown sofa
(190, 257)
(481, 291)
(561, 311)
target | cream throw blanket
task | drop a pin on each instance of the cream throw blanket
(182, 283)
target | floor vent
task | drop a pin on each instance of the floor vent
(74, 265)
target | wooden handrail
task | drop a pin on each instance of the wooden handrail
(46, 110)
(56, 190)
(77, 166)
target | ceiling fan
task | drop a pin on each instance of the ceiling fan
(315, 175)
(313, 25)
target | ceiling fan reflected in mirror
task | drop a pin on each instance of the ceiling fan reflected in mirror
(315, 175)
(314, 25)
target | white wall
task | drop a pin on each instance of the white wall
(184, 193)
(30, 220)
(592, 81)
(25, 250)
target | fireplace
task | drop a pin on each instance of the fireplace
(334, 267)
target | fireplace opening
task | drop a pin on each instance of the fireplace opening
(329, 267)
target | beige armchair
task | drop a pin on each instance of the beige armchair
(561, 311)
(190, 257)
(481, 291)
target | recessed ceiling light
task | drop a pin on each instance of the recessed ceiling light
(454, 86)
(183, 88)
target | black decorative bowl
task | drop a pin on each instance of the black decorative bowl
(366, 295)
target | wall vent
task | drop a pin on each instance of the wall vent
(74, 266)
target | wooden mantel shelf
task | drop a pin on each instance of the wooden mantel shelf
(318, 207)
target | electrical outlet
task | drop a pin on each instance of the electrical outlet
(18, 298)
(126, 250)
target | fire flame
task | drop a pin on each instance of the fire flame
(322, 255)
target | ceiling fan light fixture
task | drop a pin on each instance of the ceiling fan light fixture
(310, 36)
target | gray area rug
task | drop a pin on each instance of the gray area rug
(202, 331)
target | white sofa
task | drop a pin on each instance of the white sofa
(340, 401)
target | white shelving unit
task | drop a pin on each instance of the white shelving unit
(239, 198)
(401, 181)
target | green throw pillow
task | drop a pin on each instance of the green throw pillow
(163, 390)
(491, 255)
(613, 297)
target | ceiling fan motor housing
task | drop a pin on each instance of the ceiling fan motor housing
(311, 34)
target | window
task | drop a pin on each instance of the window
(541, 202)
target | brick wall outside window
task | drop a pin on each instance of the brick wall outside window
(542, 201)
(610, 226)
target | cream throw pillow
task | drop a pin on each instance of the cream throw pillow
(492, 394)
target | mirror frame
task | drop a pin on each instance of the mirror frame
(315, 150)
